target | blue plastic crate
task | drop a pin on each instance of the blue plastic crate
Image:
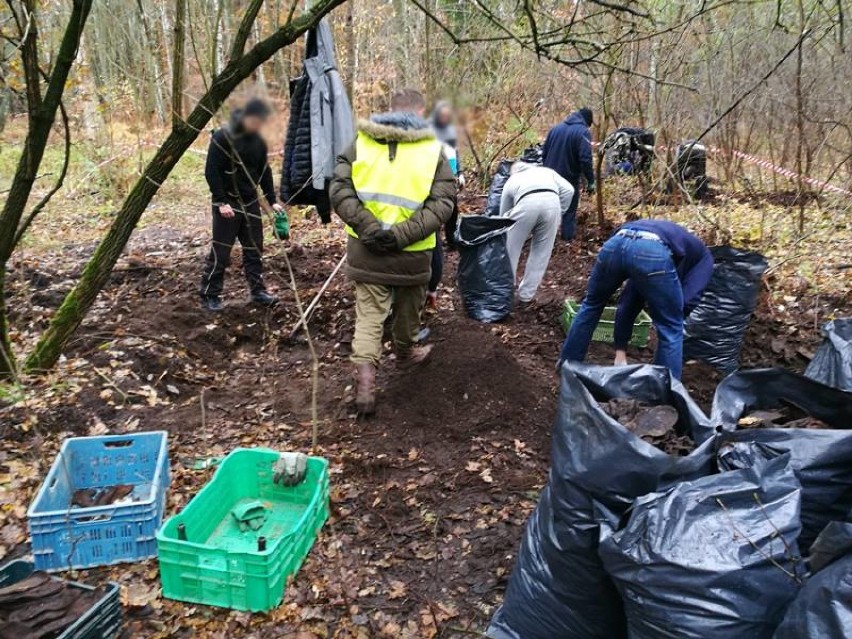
(101, 621)
(64, 537)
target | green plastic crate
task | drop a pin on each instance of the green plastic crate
(219, 565)
(606, 325)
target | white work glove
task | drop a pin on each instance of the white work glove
(290, 469)
(460, 178)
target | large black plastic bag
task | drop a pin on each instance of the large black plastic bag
(531, 155)
(822, 459)
(823, 609)
(713, 558)
(486, 279)
(832, 363)
(715, 329)
(834, 541)
(558, 588)
(495, 189)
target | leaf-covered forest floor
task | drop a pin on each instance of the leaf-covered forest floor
(429, 497)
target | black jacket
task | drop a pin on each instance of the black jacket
(237, 163)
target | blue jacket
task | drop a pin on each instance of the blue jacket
(693, 263)
(568, 149)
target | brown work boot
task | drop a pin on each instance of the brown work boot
(365, 390)
(413, 356)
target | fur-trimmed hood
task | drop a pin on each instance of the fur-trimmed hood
(396, 127)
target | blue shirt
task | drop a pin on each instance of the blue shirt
(693, 263)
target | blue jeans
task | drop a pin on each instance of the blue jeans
(649, 266)
(569, 216)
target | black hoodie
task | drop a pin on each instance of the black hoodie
(568, 149)
(237, 162)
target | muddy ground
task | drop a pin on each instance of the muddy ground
(428, 498)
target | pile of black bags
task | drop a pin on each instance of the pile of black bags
(627, 541)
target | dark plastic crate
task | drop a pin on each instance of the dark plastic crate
(101, 621)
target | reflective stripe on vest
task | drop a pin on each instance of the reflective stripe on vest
(394, 190)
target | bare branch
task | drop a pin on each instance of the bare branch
(245, 28)
(620, 8)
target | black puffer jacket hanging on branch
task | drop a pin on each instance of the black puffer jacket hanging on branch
(297, 170)
(320, 127)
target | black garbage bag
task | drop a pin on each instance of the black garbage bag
(833, 542)
(531, 155)
(821, 458)
(715, 329)
(486, 279)
(832, 363)
(558, 588)
(823, 609)
(712, 558)
(495, 189)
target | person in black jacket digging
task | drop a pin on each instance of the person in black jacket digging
(237, 165)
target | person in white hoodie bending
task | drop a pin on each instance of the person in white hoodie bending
(535, 197)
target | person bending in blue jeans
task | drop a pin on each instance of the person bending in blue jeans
(666, 268)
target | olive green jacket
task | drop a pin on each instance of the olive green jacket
(397, 268)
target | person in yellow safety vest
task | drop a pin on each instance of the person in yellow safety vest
(394, 189)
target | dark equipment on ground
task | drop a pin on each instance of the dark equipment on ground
(629, 151)
(691, 167)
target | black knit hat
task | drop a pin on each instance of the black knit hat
(586, 112)
(257, 107)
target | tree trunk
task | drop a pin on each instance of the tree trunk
(41, 116)
(602, 128)
(78, 301)
(351, 53)
(800, 125)
(178, 64)
(150, 55)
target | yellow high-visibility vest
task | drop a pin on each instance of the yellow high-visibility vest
(394, 190)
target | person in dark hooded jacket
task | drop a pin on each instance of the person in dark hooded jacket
(568, 151)
(237, 165)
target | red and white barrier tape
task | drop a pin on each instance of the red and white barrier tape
(766, 164)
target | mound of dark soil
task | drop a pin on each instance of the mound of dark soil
(472, 384)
